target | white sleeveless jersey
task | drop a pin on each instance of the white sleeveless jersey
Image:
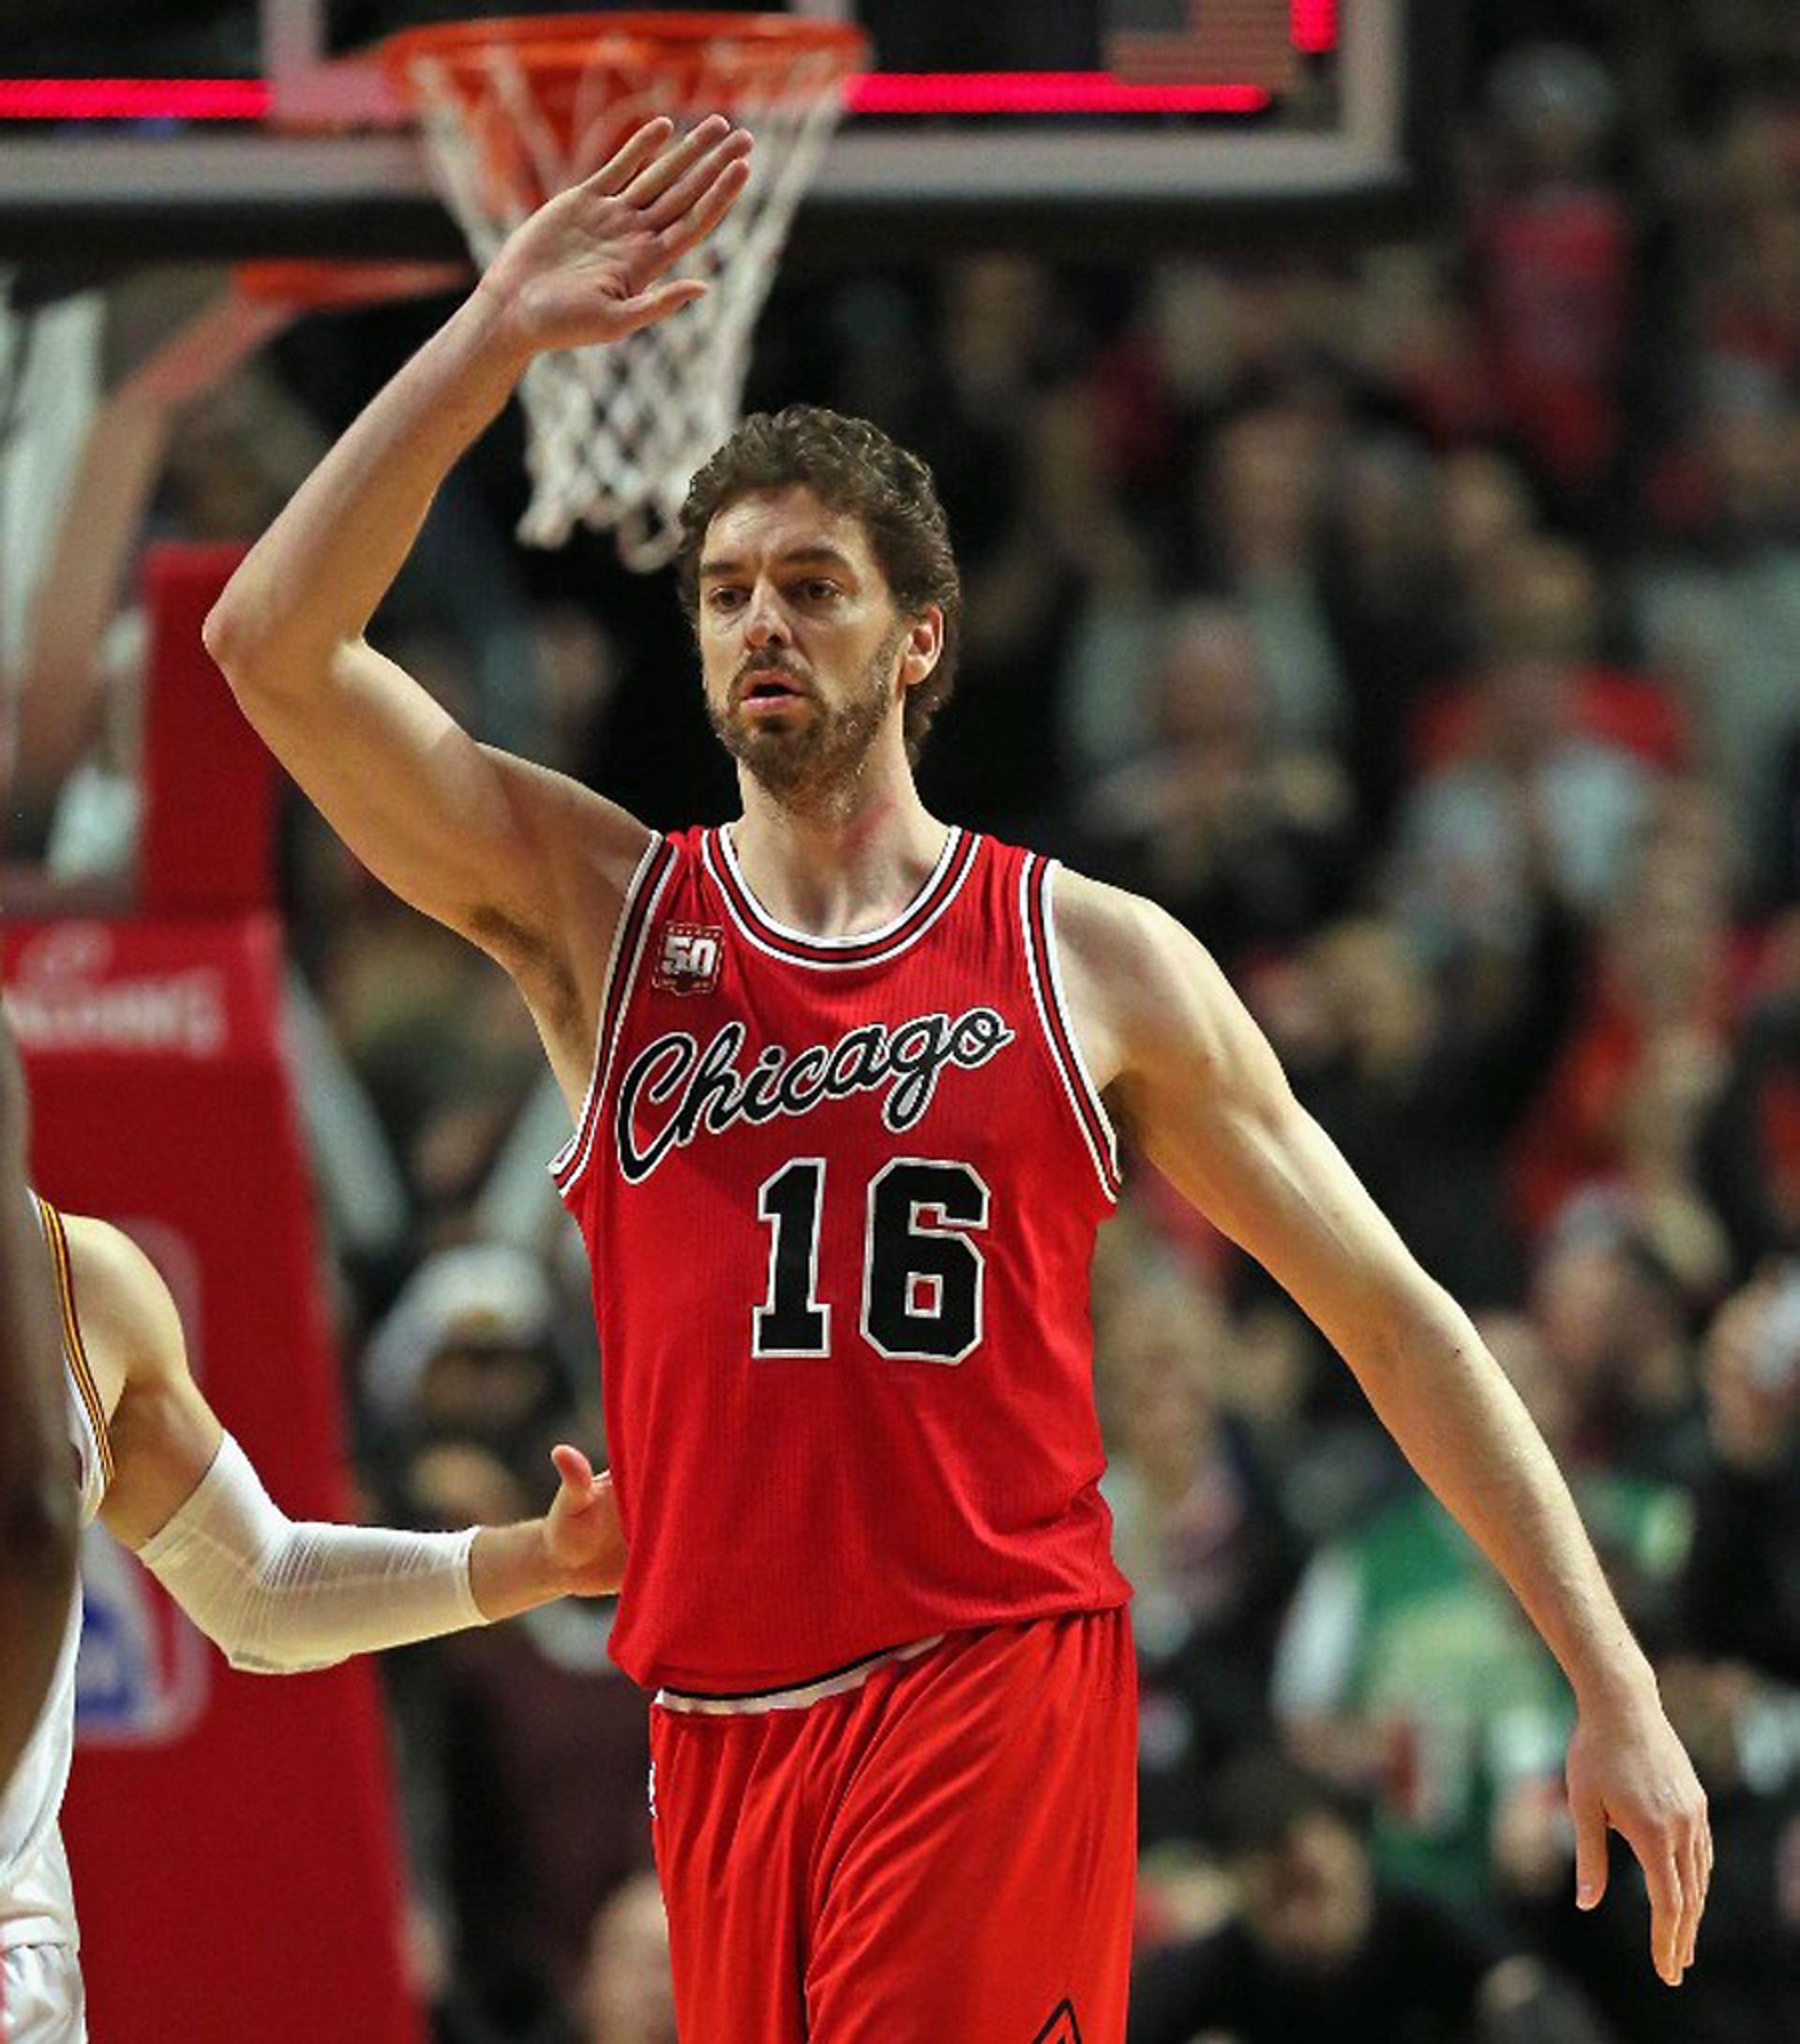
(37, 1904)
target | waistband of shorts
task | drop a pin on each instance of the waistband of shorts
(18, 1933)
(800, 1696)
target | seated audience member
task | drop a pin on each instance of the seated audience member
(627, 1992)
(1743, 1586)
(1322, 1951)
(1241, 836)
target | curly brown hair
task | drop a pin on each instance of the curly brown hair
(852, 467)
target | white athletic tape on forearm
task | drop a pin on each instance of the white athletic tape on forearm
(278, 1597)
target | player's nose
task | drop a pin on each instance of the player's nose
(765, 622)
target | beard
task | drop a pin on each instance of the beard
(813, 763)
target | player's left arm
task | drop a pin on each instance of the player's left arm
(278, 1595)
(1201, 1089)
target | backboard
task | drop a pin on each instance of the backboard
(237, 128)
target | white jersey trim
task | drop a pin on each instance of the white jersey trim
(1045, 988)
(569, 1163)
(1053, 947)
(872, 947)
(802, 1698)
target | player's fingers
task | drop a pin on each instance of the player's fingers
(728, 188)
(688, 189)
(673, 164)
(1662, 1877)
(573, 1466)
(1589, 1818)
(1693, 1889)
(648, 307)
(638, 148)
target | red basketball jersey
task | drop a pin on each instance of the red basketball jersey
(840, 1198)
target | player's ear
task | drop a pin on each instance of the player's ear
(923, 646)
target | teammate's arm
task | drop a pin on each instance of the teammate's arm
(523, 861)
(1197, 1083)
(37, 1501)
(276, 1595)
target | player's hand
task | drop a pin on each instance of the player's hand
(587, 266)
(1628, 1771)
(581, 1529)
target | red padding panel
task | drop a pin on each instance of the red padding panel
(232, 1836)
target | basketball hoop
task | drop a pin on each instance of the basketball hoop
(514, 112)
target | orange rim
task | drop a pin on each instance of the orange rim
(753, 46)
(322, 286)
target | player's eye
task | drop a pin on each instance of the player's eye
(723, 597)
(818, 589)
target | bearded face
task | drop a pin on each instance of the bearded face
(807, 743)
(805, 658)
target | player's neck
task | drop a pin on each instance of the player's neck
(837, 872)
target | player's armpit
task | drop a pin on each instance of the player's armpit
(163, 1433)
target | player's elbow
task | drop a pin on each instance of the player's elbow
(235, 641)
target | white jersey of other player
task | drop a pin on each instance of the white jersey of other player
(40, 1991)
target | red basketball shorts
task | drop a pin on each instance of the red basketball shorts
(944, 1854)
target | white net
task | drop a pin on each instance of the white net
(616, 430)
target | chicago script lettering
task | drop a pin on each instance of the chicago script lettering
(674, 1090)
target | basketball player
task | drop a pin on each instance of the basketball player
(38, 1527)
(154, 1464)
(842, 1079)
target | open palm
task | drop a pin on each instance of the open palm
(590, 263)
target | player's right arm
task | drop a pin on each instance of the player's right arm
(38, 1500)
(277, 1595)
(523, 861)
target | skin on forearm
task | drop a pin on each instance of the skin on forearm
(316, 577)
(1464, 1429)
(511, 1569)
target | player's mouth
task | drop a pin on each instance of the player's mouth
(767, 690)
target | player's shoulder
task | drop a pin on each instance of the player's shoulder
(1109, 929)
(129, 1324)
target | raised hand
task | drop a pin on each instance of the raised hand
(587, 266)
(1628, 1771)
(582, 1530)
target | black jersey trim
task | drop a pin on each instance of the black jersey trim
(839, 954)
(641, 896)
(1036, 916)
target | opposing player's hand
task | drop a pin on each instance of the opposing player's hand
(589, 264)
(1628, 1771)
(582, 1530)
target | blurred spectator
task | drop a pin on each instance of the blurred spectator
(467, 1352)
(1743, 1588)
(1258, 509)
(1532, 795)
(1551, 244)
(1646, 1044)
(528, 1752)
(1720, 613)
(1322, 1947)
(1397, 1066)
(1198, 1531)
(1613, 1324)
(627, 1995)
(1752, 1143)
(1240, 835)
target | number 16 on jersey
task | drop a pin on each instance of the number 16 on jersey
(923, 1275)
